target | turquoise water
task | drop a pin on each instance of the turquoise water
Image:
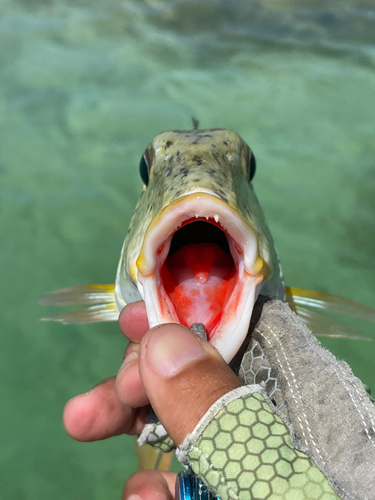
(84, 87)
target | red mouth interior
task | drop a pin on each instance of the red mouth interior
(199, 274)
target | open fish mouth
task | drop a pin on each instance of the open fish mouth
(200, 263)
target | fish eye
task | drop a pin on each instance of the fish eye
(143, 170)
(252, 166)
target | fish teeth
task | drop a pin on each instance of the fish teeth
(216, 217)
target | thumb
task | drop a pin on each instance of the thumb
(183, 376)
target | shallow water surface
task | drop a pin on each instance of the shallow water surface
(84, 87)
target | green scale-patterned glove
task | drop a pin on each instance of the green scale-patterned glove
(242, 449)
(303, 427)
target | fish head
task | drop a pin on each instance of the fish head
(198, 248)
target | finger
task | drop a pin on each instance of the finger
(183, 376)
(129, 387)
(98, 414)
(133, 321)
(149, 485)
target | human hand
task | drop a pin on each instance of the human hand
(167, 366)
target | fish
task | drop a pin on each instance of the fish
(199, 250)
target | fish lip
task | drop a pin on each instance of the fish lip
(198, 204)
(233, 328)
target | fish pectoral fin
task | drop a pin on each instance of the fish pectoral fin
(330, 303)
(326, 326)
(100, 300)
(314, 309)
(80, 295)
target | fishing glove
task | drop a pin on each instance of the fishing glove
(302, 427)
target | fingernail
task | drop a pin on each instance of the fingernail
(172, 348)
(128, 360)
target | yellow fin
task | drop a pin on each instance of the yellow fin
(149, 458)
(330, 303)
(311, 306)
(99, 298)
(326, 326)
(79, 295)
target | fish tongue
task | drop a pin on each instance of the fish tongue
(198, 279)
